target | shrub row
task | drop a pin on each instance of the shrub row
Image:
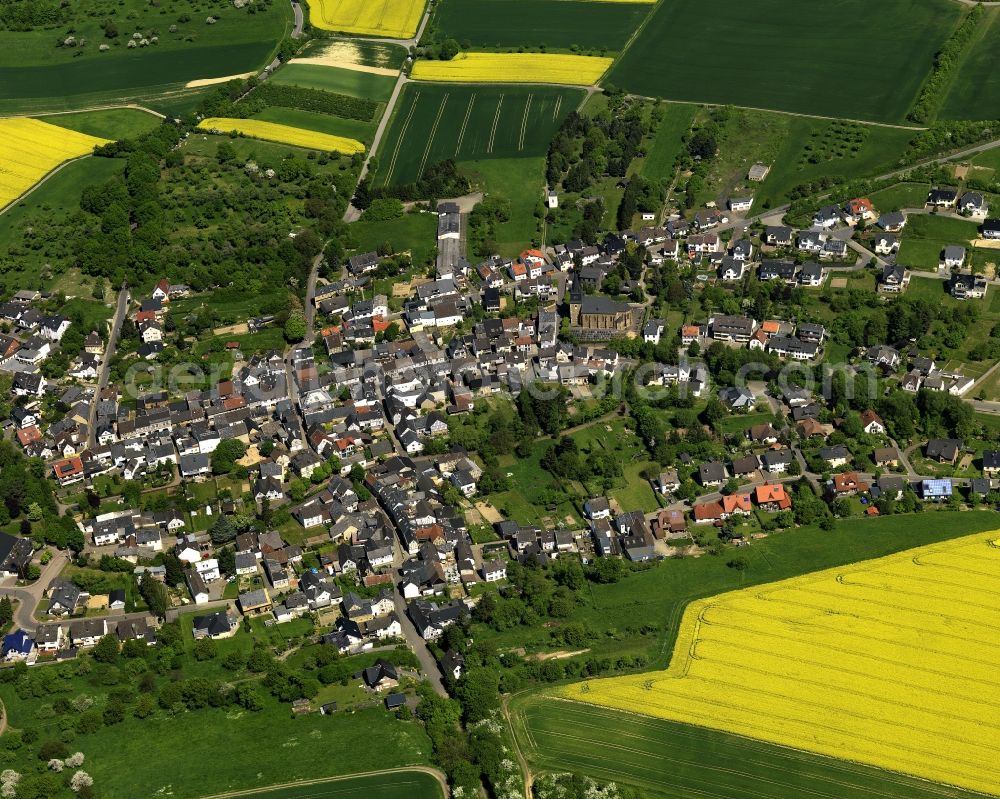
(945, 60)
(340, 105)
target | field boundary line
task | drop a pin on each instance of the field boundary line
(433, 772)
(524, 123)
(496, 121)
(465, 123)
(430, 139)
(399, 141)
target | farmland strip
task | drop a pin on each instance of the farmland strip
(399, 141)
(524, 122)
(496, 121)
(430, 139)
(465, 124)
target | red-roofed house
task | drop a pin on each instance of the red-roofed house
(872, 423)
(772, 497)
(68, 471)
(29, 435)
(847, 483)
(736, 503)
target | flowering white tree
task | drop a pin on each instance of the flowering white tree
(81, 780)
(56, 764)
(8, 783)
(74, 760)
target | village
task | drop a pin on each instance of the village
(320, 480)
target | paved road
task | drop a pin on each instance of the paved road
(29, 596)
(310, 307)
(109, 354)
(297, 27)
(417, 644)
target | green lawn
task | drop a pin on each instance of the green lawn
(399, 785)
(659, 162)
(790, 57)
(740, 422)
(324, 123)
(433, 122)
(902, 195)
(521, 181)
(114, 123)
(335, 79)
(925, 236)
(558, 24)
(415, 232)
(667, 759)
(535, 491)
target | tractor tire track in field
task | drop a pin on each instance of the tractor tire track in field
(555, 111)
(430, 139)
(524, 123)
(496, 121)
(399, 141)
(465, 124)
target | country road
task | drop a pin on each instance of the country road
(109, 354)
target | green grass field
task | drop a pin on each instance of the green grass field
(414, 232)
(324, 123)
(975, 89)
(667, 142)
(680, 761)
(556, 24)
(790, 57)
(520, 181)
(902, 195)
(925, 236)
(334, 79)
(398, 785)
(113, 123)
(433, 122)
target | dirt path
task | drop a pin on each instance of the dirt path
(525, 770)
(437, 775)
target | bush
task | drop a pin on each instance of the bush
(316, 100)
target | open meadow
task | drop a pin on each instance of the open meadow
(789, 57)
(432, 123)
(111, 123)
(554, 24)
(352, 82)
(32, 149)
(926, 236)
(889, 663)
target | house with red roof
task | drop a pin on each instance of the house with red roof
(772, 497)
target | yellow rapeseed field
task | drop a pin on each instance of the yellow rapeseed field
(284, 134)
(393, 19)
(892, 662)
(30, 149)
(572, 70)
